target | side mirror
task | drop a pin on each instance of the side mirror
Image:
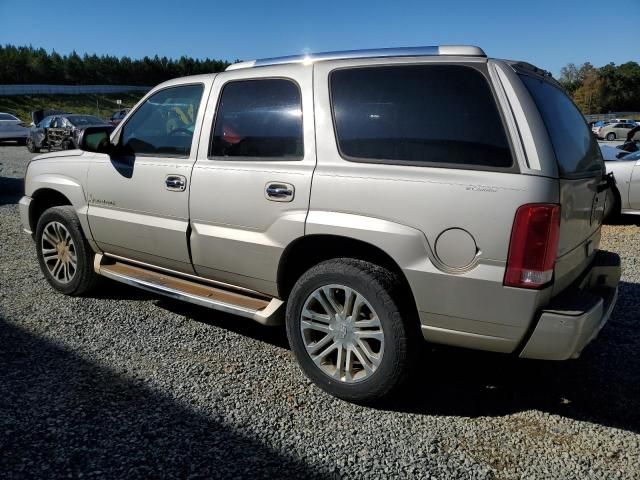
(95, 139)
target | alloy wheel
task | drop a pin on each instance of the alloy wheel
(59, 252)
(342, 333)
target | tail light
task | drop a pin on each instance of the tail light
(533, 246)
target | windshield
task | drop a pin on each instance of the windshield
(83, 120)
(576, 148)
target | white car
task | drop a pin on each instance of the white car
(626, 193)
(12, 128)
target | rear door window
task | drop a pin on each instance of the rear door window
(576, 148)
(259, 119)
(442, 115)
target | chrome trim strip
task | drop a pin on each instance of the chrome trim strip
(461, 50)
(187, 276)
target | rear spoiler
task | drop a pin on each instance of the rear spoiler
(38, 115)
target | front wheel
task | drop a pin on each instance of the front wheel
(31, 146)
(611, 136)
(65, 257)
(348, 331)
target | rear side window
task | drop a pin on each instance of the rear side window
(576, 148)
(259, 119)
(6, 116)
(418, 114)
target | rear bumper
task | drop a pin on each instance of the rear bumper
(575, 317)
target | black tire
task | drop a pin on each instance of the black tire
(84, 278)
(611, 136)
(22, 141)
(612, 205)
(31, 146)
(382, 289)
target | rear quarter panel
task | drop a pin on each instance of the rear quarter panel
(364, 200)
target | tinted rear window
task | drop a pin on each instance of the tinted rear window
(576, 148)
(413, 114)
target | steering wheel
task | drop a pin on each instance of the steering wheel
(180, 130)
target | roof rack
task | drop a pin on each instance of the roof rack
(461, 50)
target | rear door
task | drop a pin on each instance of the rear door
(580, 170)
(251, 182)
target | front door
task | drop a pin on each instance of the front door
(138, 196)
(252, 179)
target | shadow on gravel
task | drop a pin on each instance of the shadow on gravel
(602, 386)
(625, 220)
(11, 190)
(62, 416)
(276, 336)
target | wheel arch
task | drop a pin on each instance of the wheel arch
(42, 199)
(309, 250)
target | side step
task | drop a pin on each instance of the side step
(262, 310)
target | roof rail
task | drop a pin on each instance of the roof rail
(462, 50)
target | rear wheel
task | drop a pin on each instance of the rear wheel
(612, 205)
(611, 136)
(31, 146)
(65, 257)
(347, 330)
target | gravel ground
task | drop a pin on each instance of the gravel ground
(127, 385)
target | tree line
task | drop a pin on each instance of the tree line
(27, 65)
(612, 88)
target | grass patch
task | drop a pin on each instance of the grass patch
(102, 105)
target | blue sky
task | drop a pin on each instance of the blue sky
(546, 33)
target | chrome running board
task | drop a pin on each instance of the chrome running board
(264, 311)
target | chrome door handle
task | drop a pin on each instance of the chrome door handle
(176, 183)
(279, 192)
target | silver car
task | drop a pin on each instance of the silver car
(371, 200)
(615, 131)
(625, 196)
(12, 128)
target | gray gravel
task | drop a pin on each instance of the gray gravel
(126, 385)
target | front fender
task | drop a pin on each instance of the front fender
(64, 177)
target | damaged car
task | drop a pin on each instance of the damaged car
(59, 130)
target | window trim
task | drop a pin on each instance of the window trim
(513, 168)
(122, 125)
(246, 158)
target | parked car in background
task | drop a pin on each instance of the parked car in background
(615, 131)
(60, 131)
(624, 197)
(118, 116)
(12, 128)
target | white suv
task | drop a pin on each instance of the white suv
(370, 199)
